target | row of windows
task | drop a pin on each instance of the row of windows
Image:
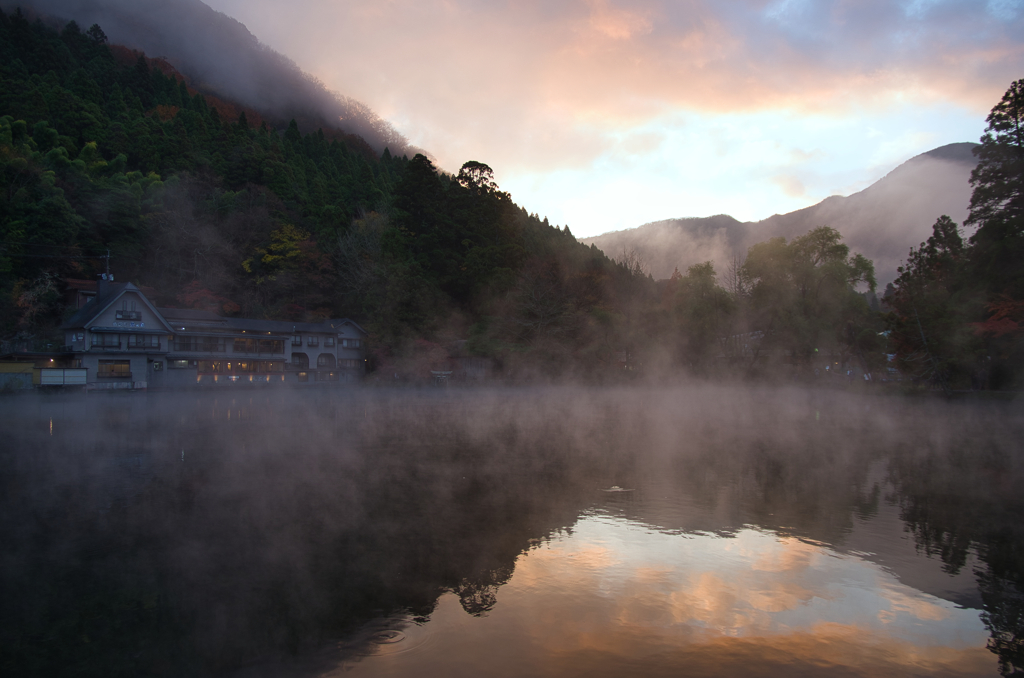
(217, 366)
(143, 341)
(209, 344)
(254, 345)
(106, 340)
(312, 341)
(324, 360)
(203, 344)
(301, 360)
(238, 366)
(328, 341)
(134, 341)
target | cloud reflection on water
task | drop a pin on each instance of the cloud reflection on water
(616, 598)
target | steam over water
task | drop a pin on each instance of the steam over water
(548, 532)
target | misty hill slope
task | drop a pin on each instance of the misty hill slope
(882, 222)
(220, 56)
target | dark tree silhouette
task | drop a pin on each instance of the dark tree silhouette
(997, 204)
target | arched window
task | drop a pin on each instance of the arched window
(300, 360)
(325, 360)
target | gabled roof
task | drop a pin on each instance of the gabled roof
(96, 305)
(339, 322)
(111, 292)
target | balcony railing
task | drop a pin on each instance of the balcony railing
(105, 347)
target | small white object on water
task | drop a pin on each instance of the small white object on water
(616, 488)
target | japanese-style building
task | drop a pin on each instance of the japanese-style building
(122, 341)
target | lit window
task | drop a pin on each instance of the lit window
(116, 369)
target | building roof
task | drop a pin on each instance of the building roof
(107, 294)
(190, 314)
(196, 320)
(111, 291)
(193, 319)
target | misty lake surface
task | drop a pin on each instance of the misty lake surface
(699, 531)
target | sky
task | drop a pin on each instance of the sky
(604, 115)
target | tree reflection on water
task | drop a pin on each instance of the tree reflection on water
(964, 496)
(173, 535)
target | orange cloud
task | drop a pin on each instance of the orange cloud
(615, 22)
(534, 87)
(469, 68)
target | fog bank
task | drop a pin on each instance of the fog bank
(220, 56)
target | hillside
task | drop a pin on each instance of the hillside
(219, 56)
(882, 222)
(109, 158)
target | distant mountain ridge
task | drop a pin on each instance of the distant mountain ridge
(882, 222)
(219, 56)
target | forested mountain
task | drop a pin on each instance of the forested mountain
(104, 150)
(219, 56)
(882, 222)
(110, 157)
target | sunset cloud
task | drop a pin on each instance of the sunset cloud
(534, 88)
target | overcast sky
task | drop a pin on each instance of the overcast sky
(605, 114)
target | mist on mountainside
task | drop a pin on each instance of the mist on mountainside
(882, 222)
(220, 56)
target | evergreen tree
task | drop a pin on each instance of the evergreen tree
(997, 203)
(931, 304)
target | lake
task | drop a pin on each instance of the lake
(697, 530)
